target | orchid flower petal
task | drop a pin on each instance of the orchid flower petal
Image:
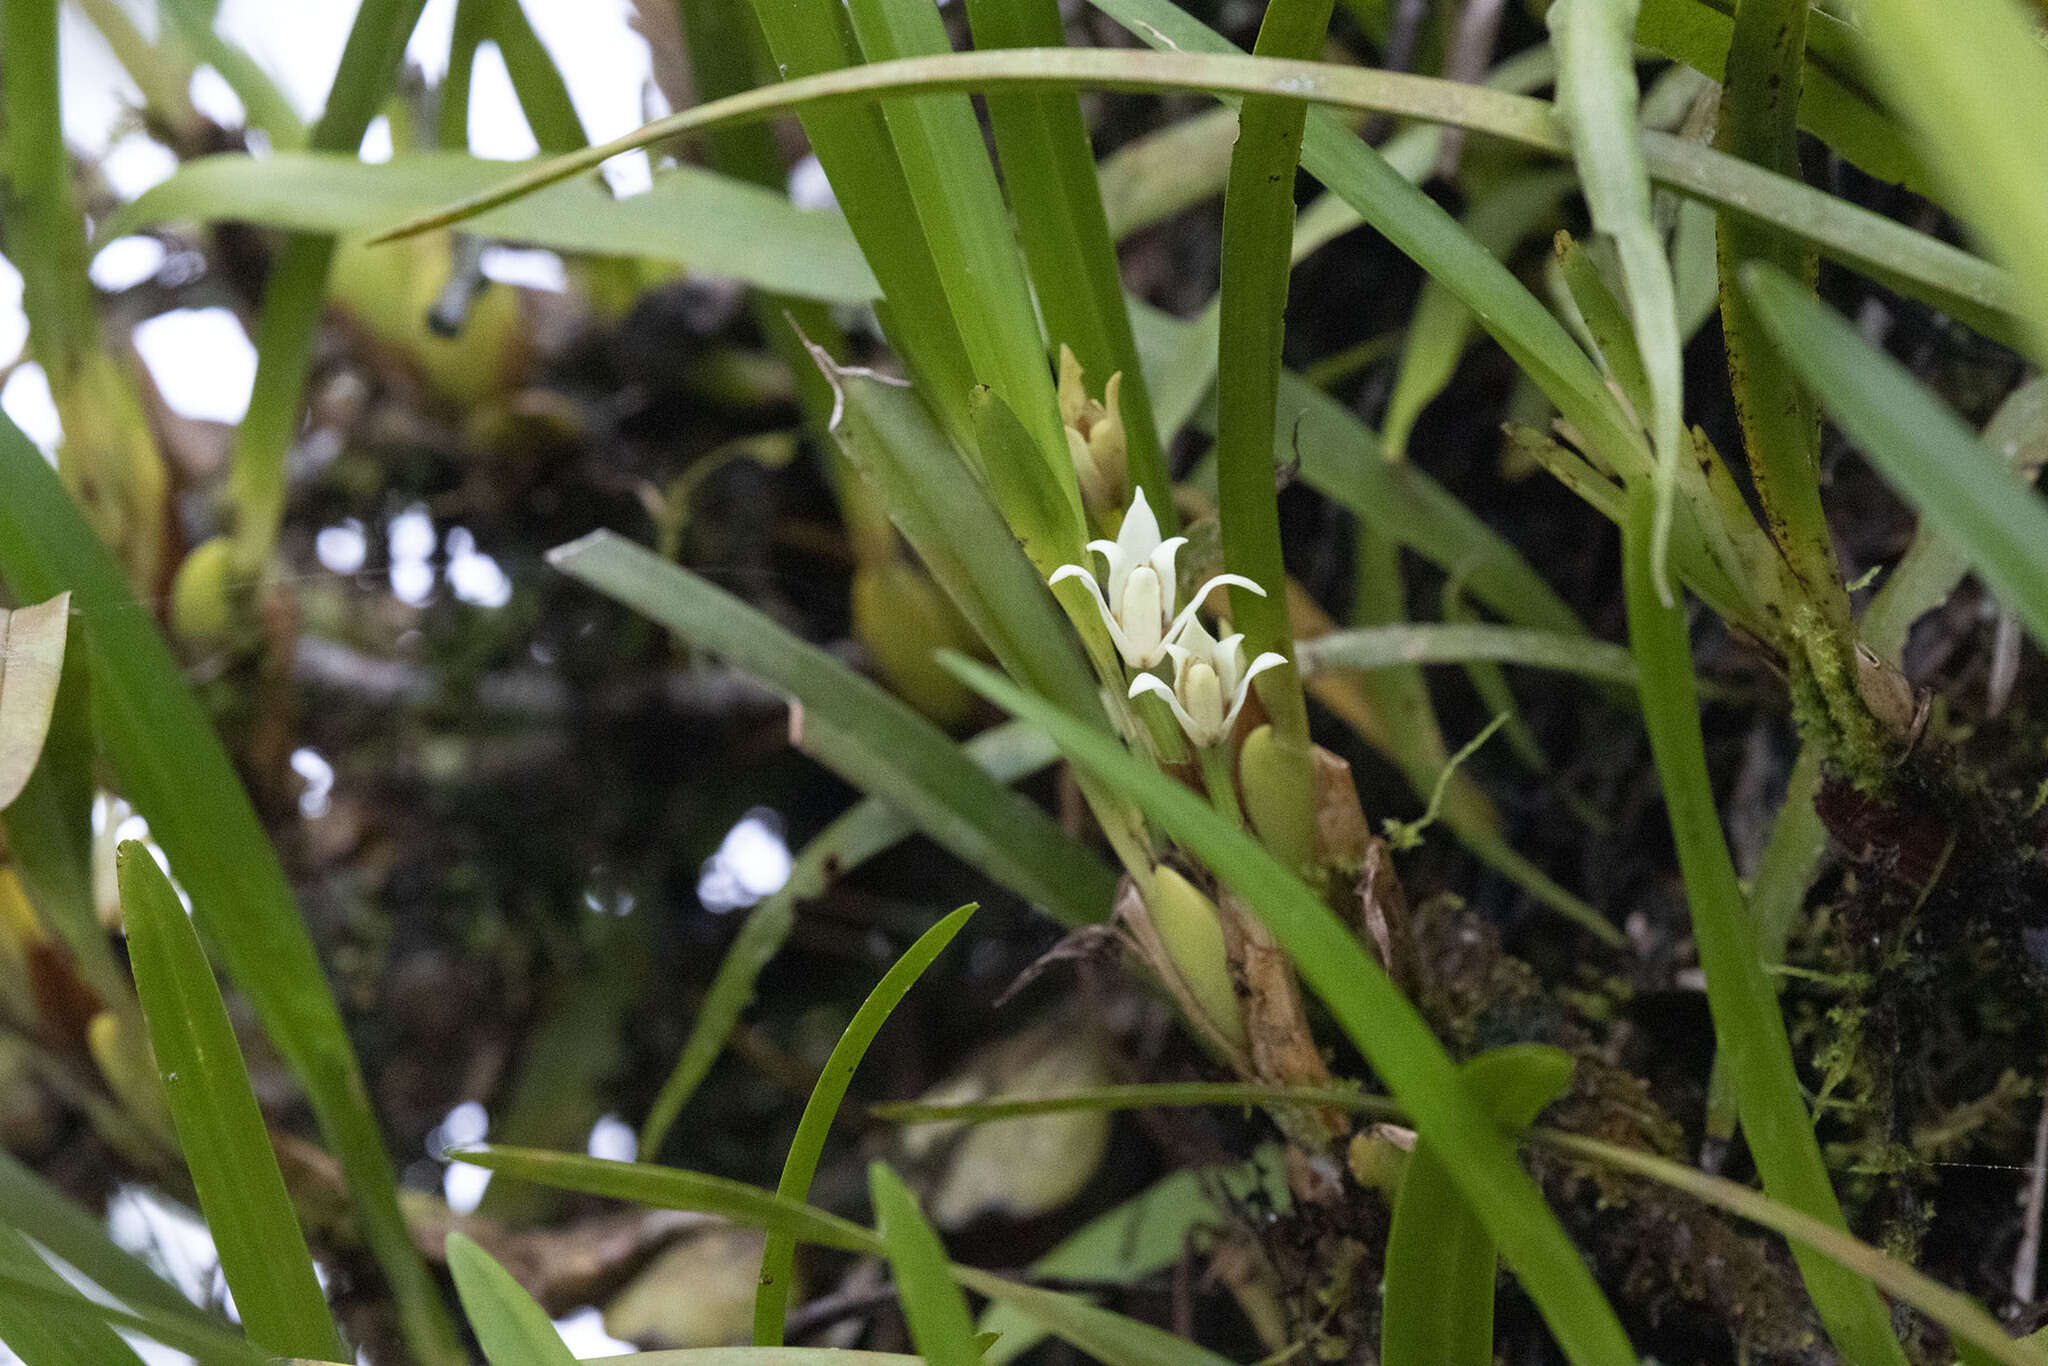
(1153, 683)
(1075, 571)
(1201, 595)
(1266, 661)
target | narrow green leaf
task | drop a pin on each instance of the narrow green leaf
(1371, 1010)
(1596, 103)
(1108, 1337)
(33, 1207)
(512, 1329)
(226, 1144)
(867, 736)
(1138, 1097)
(1914, 263)
(543, 95)
(952, 521)
(31, 661)
(1971, 79)
(170, 765)
(669, 1188)
(932, 1304)
(1383, 647)
(1931, 568)
(1441, 1261)
(80, 1322)
(814, 39)
(1258, 235)
(1006, 753)
(1836, 107)
(1959, 1314)
(1971, 497)
(688, 216)
(953, 190)
(800, 1165)
(773, 1356)
(1049, 176)
(1747, 1025)
(40, 1333)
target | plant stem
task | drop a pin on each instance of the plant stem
(1219, 781)
(1780, 423)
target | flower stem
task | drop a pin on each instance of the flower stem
(1220, 781)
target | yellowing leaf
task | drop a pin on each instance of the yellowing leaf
(31, 657)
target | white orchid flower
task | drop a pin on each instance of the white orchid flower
(1138, 603)
(1210, 682)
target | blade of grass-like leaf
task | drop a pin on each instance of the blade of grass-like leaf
(953, 190)
(1747, 1025)
(31, 661)
(1596, 103)
(59, 1224)
(1140, 1096)
(1440, 326)
(1835, 106)
(1382, 647)
(170, 765)
(1006, 752)
(1957, 1313)
(952, 520)
(1972, 82)
(1379, 1021)
(688, 216)
(263, 1254)
(1256, 260)
(1441, 1262)
(778, 1257)
(870, 738)
(1050, 178)
(60, 1304)
(773, 1356)
(543, 96)
(1110, 1337)
(932, 1304)
(1931, 568)
(36, 1335)
(670, 1188)
(814, 38)
(1914, 263)
(512, 1329)
(292, 300)
(1966, 493)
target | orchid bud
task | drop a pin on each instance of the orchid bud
(1190, 929)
